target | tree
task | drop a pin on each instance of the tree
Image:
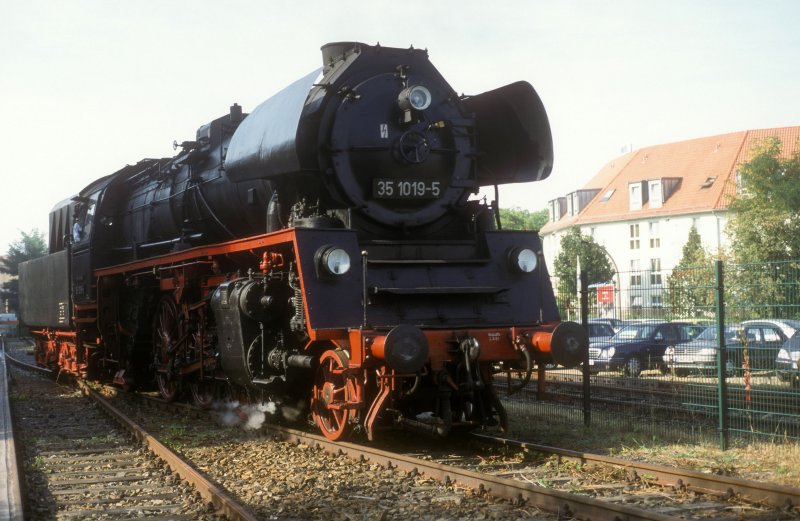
(594, 260)
(690, 287)
(520, 219)
(765, 231)
(28, 246)
(769, 196)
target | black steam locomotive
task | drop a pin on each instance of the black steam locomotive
(324, 247)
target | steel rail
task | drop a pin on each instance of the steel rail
(754, 491)
(563, 503)
(209, 491)
(11, 496)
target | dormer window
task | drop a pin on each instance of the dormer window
(656, 192)
(635, 195)
(555, 213)
(557, 208)
(576, 201)
(654, 187)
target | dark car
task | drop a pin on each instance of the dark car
(615, 323)
(638, 347)
(599, 331)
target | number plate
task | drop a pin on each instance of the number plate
(406, 188)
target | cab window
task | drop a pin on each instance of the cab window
(83, 218)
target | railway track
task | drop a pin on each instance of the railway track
(681, 493)
(583, 486)
(531, 478)
(80, 463)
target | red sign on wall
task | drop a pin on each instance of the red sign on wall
(605, 294)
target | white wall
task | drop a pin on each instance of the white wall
(673, 231)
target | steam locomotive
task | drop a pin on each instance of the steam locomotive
(326, 247)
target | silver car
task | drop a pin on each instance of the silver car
(700, 354)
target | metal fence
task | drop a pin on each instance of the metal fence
(701, 354)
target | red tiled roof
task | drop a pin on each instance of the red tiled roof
(695, 162)
(790, 140)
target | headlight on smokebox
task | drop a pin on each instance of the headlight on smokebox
(332, 261)
(415, 97)
(523, 260)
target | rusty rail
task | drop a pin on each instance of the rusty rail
(563, 503)
(209, 491)
(755, 491)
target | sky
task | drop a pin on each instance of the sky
(88, 86)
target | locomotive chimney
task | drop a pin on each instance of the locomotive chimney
(236, 113)
(335, 51)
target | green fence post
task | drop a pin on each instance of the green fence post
(587, 401)
(722, 356)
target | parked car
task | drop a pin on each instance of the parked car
(638, 347)
(599, 331)
(753, 344)
(763, 340)
(787, 363)
(615, 323)
(700, 355)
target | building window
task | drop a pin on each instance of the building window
(634, 236)
(636, 273)
(655, 272)
(654, 190)
(554, 211)
(635, 193)
(607, 195)
(655, 301)
(636, 301)
(655, 236)
(569, 206)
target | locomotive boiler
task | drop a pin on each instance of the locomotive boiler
(326, 247)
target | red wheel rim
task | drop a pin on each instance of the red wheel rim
(332, 389)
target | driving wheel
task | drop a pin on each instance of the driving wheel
(330, 395)
(168, 330)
